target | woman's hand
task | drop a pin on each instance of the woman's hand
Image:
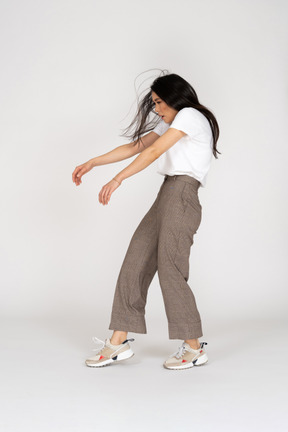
(107, 190)
(80, 170)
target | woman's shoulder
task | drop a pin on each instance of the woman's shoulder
(192, 114)
(190, 111)
(192, 122)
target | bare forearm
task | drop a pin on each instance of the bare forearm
(118, 154)
(141, 162)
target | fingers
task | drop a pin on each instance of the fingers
(80, 170)
(74, 174)
(78, 177)
(77, 174)
(104, 196)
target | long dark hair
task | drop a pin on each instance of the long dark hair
(178, 94)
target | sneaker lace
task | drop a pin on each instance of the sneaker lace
(180, 352)
(96, 340)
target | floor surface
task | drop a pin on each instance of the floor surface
(46, 386)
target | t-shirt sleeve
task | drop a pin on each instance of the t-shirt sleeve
(187, 120)
(159, 128)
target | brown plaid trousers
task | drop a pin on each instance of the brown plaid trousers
(162, 243)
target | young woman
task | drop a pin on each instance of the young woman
(183, 140)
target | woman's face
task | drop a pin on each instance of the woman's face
(166, 112)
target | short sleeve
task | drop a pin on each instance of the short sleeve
(159, 130)
(188, 120)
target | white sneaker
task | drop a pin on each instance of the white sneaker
(109, 353)
(186, 357)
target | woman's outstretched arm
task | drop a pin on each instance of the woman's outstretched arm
(150, 154)
(116, 155)
(147, 156)
(125, 151)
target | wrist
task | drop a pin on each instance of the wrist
(117, 180)
(93, 162)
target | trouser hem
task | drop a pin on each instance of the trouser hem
(133, 324)
(185, 331)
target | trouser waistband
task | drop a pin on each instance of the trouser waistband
(184, 178)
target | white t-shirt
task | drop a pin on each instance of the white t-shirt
(192, 154)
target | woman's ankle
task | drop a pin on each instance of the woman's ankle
(193, 343)
(118, 337)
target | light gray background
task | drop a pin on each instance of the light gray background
(67, 90)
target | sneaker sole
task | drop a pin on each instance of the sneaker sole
(121, 357)
(201, 361)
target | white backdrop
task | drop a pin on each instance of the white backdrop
(67, 88)
(67, 85)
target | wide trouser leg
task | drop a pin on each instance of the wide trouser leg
(162, 242)
(179, 216)
(136, 274)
